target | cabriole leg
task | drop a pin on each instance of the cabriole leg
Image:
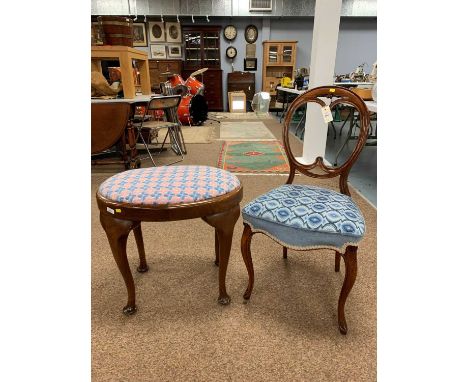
(117, 231)
(247, 256)
(350, 260)
(224, 223)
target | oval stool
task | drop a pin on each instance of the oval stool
(159, 194)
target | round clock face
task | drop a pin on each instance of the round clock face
(231, 52)
(230, 32)
(251, 34)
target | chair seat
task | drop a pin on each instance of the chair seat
(168, 185)
(306, 217)
(158, 124)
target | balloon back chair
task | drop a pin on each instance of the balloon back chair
(305, 217)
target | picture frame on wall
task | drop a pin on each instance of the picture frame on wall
(173, 32)
(158, 51)
(139, 34)
(156, 31)
(97, 37)
(250, 64)
(174, 51)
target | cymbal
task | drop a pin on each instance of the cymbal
(199, 71)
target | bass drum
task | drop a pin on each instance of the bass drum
(192, 110)
(194, 86)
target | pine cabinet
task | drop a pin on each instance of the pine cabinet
(279, 60)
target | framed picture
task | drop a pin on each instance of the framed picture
(97, 37)
(158, 51)
(174, 51)
(139, 34)
(173, 32)
(156, 31)
(250, 64)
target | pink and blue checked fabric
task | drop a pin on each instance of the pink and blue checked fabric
(168, 185)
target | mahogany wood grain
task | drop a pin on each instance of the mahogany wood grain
(338, 95)
(350, 260)
(221, 213)
(247, 256)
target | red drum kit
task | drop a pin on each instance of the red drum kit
(193, 109)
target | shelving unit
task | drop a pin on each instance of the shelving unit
(202, 50)
(279, 60)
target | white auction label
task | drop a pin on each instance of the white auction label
(327, 115)
(110, 210)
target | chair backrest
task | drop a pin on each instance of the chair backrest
(164, 102)
(108, 123)
(318, 169)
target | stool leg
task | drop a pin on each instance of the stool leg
(143, 267)
(216, 248)
(117, 231)
(224, 223)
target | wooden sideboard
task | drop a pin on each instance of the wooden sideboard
(242, 81)
(156, 67)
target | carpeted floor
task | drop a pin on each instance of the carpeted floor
(239, 116)
(194, 134)
(240, 130)
(254, 157)
(287, 332)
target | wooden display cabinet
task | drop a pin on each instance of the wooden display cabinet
(202, 50)
(279, 60)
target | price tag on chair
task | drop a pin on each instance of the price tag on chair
(327, 115)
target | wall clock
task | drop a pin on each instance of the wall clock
(251, 33)
(230, 32)
(231, 52)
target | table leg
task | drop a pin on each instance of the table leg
(117, 231)
(134, 160)
(143, 68)
(224, 223)
(96, 65)
(126, 70)
(143, 267)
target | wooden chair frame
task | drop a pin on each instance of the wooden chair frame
(318, 169)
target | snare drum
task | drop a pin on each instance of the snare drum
(195, 87)
(192, 110)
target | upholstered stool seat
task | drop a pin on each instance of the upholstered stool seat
(160, 194)
(306, 217)
(168, 185)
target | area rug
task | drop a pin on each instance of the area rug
(194, 134)
(245, 116)
(253, 157)
(245, 131)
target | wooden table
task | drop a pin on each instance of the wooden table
(125, 55)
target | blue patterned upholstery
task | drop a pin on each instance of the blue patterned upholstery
(302, 216)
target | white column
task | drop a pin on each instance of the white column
(322, 68)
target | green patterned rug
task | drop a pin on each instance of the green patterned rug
(256, 157)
